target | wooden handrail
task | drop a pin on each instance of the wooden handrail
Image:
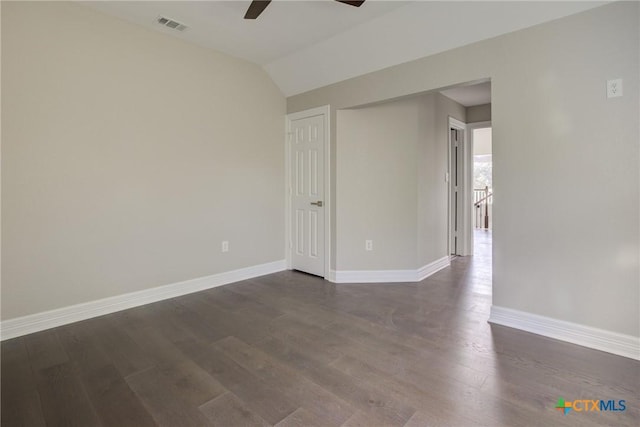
(478, 205)
(479, 202)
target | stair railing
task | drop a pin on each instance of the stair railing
(482, 198)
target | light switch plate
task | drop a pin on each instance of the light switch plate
(614, 88)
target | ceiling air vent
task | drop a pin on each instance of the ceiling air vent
(170, 23)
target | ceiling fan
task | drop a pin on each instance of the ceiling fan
(258, 6)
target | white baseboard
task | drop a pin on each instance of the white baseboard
(388, 276)
(432, 268)
(331, 276)
(586, 336)
(373, 276)
(50, 319)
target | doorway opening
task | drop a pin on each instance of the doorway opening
(482, 209)
(482, 179)
(476, 119)
(482, 222)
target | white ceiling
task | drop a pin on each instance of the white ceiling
(283, 28)
(307, 44)
(470, 96)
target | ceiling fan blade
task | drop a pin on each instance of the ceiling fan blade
(256, 8)
(355, 3)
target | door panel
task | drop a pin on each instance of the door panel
(456, 176)
(307, 195)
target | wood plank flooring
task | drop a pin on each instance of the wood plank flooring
(291, 349)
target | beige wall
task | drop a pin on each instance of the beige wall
(390, 180)
(434, 199)
(377, 186)
(431, 231)
(479, 113)
(127, 157)
(556, 135)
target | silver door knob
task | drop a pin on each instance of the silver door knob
(318, 203)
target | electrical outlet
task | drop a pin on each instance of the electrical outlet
(614, 88)
(225, 246)
(368, 245)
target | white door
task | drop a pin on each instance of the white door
(307, 194)
(455, 139)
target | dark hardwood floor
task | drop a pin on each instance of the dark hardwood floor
(291, 349)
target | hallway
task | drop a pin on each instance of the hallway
(481, 260)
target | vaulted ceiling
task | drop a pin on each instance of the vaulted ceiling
(304, 45)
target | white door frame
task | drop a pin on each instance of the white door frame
(470, 128)
(465, 232)
(319, 111)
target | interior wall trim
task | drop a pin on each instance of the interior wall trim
(24, 325)
(388, 276)
(586, 336)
